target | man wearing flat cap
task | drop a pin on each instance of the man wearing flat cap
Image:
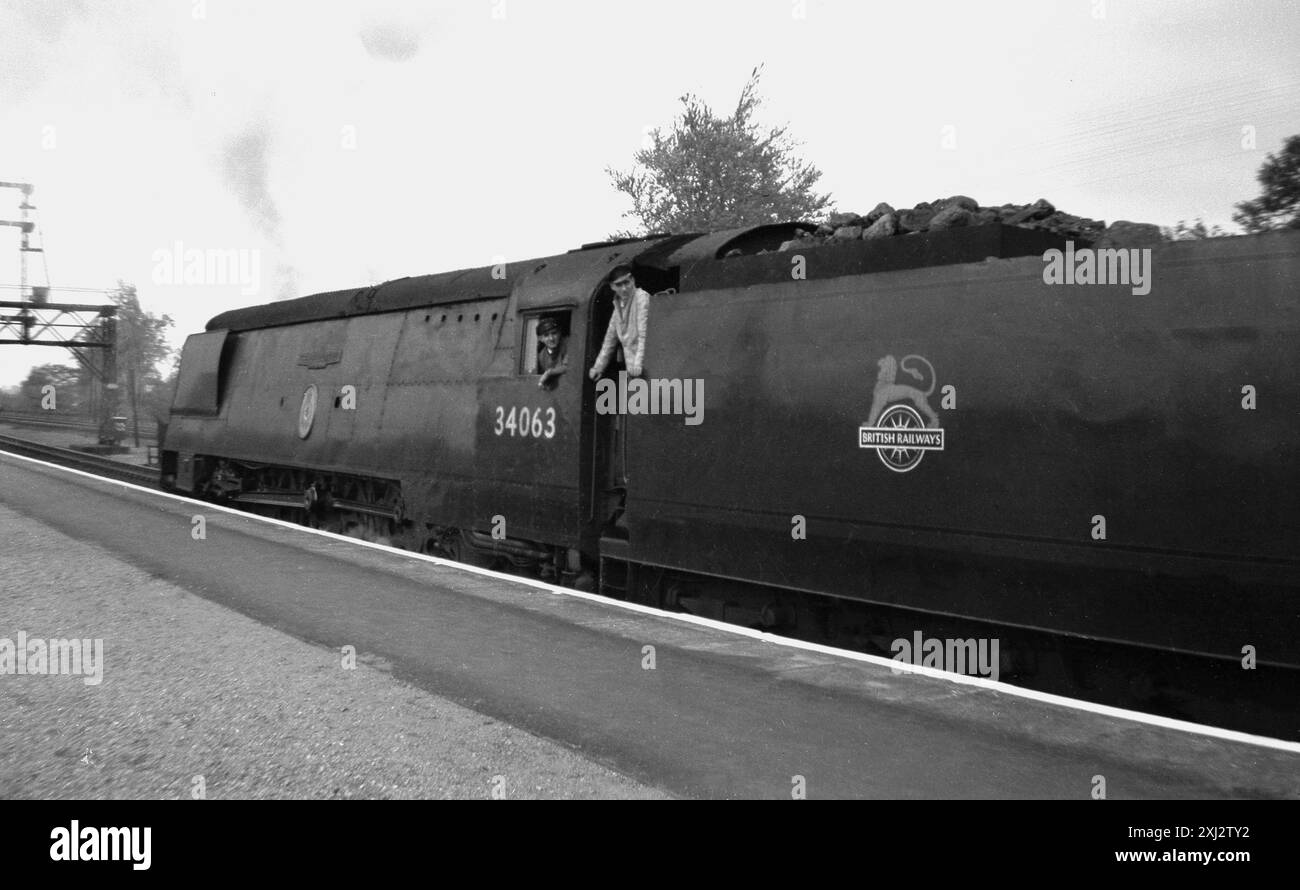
(627, 326)
(552, 351)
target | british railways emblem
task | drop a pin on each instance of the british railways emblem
(896, 428)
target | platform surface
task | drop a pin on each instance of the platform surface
(718, 714)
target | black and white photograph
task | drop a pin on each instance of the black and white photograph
(774, 400)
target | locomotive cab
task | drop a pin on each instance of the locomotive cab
(609, 431)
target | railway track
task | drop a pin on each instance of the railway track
(77, 422)
(77, 460)
(50, 419)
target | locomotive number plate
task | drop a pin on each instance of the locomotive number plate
(539, 423)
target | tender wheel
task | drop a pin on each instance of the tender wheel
(458, 547)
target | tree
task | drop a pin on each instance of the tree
(157, 395)
(710, 172)
(141, 347)
(68, 382)
(1197, 231)
(1279, 206)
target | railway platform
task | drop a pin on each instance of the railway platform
(645, 703)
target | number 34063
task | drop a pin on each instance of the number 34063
(538, 422)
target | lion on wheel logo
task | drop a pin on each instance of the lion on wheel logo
(896, 427)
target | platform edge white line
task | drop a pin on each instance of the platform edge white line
(1185, 726)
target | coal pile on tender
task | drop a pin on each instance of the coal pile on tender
(961, 211)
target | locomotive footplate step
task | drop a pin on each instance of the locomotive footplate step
(615, 570)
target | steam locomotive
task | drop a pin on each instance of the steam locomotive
(940, 424)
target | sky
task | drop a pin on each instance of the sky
(336, 143)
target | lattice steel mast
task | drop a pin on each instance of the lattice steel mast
(39, 322)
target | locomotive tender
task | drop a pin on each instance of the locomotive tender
(872, 410)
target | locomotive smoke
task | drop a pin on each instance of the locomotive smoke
(245, 165)
(390, 41)
(395, 31)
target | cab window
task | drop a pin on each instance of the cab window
(528, 356)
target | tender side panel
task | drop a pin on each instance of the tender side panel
(1070, 402)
